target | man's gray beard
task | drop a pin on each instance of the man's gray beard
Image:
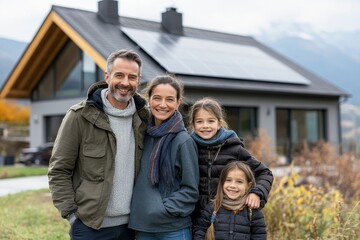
(119, 98)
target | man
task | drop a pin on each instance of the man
(97, 152)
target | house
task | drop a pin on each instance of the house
(258, 87)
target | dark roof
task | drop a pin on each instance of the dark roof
(105, 38)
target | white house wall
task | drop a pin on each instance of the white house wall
(42, 109)
(265, 104)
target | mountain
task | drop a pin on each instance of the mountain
(334, 57)
(10, 52)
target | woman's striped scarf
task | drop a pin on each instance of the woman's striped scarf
(161, 171)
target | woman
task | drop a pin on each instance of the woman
(166, 189)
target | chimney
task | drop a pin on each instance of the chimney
(171, 21)
(108, 11)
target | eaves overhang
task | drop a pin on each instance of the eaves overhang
(45, 46)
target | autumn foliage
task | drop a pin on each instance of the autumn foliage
(13, 113)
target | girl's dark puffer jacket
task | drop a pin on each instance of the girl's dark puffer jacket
(230, 225)
(213, 159)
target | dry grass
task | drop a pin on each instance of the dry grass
(21, 171)
(321, 201)
(31, 215)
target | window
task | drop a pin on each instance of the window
(52, 125)
(70, 75)
(282, 133)
(100, 74)
(89, 71)
(45, 88)
(295, 128)
(68, 72)
(243, 120)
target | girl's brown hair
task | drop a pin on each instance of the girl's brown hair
(210, 105)
(217, 201)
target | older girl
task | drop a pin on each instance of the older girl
(218, 146)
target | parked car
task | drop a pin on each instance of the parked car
(39, 155)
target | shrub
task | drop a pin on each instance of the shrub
(260, 148)
(320, 162)
(300, 212)
(320, 201)
(348, 222)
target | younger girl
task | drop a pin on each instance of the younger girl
(218, 146)
(227, 217)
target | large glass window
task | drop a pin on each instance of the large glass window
(296, 128)
(89, 71)
(68, 72)
(70, 75)
(100, 74)
(45, 89)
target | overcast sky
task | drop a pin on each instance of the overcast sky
(20, 19)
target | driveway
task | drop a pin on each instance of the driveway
(15, 185)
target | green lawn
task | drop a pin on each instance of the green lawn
(31, 215)
(21, 171)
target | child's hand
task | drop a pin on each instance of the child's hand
(253, 201)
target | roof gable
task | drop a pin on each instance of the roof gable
(42, 50)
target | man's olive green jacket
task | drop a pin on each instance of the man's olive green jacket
(82, 167)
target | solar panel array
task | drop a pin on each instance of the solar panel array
(200, 57)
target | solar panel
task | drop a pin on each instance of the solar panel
(200, 57)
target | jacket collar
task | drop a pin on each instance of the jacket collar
(94, 98)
